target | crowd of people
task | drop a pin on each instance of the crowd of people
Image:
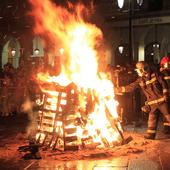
(13, 88)
(17, 85)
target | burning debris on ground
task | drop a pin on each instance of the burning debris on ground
(31, 150)
(14, 136)
(11, 144)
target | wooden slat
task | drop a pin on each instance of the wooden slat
(48, 117)
(49, 114)
(70, 138)
(43, 131)
(48, 121)
(47, 124)
(71, 116)
(46, 129)
(65, 106)
(71, 148)
(43, 142)
(68, 122)
(70, 130)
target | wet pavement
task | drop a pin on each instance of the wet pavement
(104, 164)
(159, 162)
(137, 155)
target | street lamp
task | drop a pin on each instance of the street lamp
(140, 2)
(121, 48)
(36, 51)
(13, 52)
(120, 4)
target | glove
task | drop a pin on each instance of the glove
(165, 97)
(118, 90)
(146, 109)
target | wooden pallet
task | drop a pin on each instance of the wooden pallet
(56, 117)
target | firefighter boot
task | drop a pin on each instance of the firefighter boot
(150, 136)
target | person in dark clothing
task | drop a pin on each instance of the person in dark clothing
(155, 89)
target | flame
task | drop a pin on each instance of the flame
(80, 41)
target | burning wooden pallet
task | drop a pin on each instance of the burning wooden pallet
(56, 117)
(59, 119)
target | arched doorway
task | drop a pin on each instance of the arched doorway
(37, 57)
(165, 47)
(152, 52)
(7, 56)
(38, 45)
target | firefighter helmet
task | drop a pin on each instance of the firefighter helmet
(165, 62)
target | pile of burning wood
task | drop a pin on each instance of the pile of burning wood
(77, 108)
(63, 121)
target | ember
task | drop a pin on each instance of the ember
(31, 151)
(78, 107)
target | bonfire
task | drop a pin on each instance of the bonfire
(77, 107)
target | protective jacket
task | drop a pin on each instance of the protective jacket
(153, 86)
(166, 76)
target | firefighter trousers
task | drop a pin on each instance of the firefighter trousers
(153, 116)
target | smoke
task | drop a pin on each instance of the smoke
(28, 107)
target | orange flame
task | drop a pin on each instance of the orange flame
(80, 41)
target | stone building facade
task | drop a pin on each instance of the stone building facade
(148, 25)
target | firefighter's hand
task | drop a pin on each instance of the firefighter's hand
(146, 109)
(166, 97)
(118, 90)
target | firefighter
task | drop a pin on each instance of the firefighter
(155, 90)
(165, 72)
